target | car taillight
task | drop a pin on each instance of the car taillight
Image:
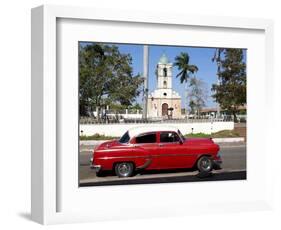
(92, 158)
(218, 147)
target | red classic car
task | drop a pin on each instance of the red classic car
(146, 148)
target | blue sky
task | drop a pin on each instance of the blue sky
(199, 56)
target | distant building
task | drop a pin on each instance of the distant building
(164, 102)
(224, 114)
(213, 111)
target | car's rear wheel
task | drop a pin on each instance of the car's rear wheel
(205, 164)
(100, 173)
(124, 169)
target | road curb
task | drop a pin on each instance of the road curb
(229, 140)
(216, 140)
(92, 142)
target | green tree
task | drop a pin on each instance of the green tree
(192, 107)
(182, 62)
(230, 93)
(91, 58)
(136, 106)
(106, 76)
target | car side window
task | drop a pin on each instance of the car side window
(146, 138)
(169, 137)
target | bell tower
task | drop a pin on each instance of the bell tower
(164, 73)
(163, 102)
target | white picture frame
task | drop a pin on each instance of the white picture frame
(46, 182)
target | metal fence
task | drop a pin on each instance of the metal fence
(120, 119)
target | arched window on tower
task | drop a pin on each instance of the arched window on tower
(165, 72)
(164, 84)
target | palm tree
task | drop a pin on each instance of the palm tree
(182, 62)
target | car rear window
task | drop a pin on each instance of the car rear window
(146, 138)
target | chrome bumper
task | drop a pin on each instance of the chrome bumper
(97, 168)
(217, 164)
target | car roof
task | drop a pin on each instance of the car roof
(152, 128)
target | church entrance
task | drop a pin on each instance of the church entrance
(164, 109)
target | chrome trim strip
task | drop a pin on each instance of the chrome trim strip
(148, 156)
(108, 158)
(171, 154)
(146, 164)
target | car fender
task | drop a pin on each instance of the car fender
(108, 158)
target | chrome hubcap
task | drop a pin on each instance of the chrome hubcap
(206, 164)
(124, 169)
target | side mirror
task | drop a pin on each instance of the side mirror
(181, 142)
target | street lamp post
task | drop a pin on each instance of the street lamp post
(186, 100)
(145, 76)
(217, 59)
(218, 82)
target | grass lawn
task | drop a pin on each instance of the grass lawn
(97, 137)
(220, 134)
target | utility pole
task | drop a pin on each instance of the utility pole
(218, 82)
(217, 59)
(145, 76)
(186, 100)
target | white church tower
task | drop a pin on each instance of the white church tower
(164, 102)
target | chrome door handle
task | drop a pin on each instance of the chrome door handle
(160, 145)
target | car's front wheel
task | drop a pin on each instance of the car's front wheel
(205, 164)
(124, 169)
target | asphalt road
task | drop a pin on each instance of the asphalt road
(233, 168)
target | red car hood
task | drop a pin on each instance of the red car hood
(199, 141)
(203, 142)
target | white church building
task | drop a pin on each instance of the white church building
(164, 102)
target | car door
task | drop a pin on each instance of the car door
(172, 152)
(146, 146)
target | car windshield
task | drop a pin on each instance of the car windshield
(181, 136)
(125, 138)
